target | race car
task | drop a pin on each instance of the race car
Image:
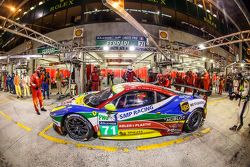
(129, 111)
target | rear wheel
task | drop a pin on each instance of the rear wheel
(78, 127)
(193, 121)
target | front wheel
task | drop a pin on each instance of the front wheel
(193, 121)
(78, 127)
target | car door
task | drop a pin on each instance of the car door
(134, 104)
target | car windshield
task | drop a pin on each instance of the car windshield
(96, 99)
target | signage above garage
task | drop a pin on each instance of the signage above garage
(121, 41)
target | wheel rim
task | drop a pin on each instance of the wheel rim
(194, 120)
(77, 127)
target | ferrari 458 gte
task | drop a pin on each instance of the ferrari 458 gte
(129, 111)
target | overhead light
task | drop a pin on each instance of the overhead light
(96, 10)
(214, 15)
(31, 8)
(183, 55)
(28, 58)
(158, 12)
(200, 5)
(208, 11)
(115, 4)
(18, 18)
(242, 64)
(105, 48)
(12, 8)
(132, 48)
(204, 58)
(129, 55)
(202, 46)
(24, 13)
(211, 60)
(19, 10)
(111, 55)
(40, 3)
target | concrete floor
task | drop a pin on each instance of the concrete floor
(26, 147)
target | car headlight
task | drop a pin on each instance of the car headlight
(58, 108)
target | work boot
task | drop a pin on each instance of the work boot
(43, 109)
(38, 113)
(233, 128)
(21, 96)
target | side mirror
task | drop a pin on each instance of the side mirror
(110, 108)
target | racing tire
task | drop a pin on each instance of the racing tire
(78, 127)
(194, 121)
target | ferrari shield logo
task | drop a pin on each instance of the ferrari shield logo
(184, 106)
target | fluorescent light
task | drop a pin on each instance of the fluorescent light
(105, 48)
(204, 58)
(111, 55)
(211, 60)
(242, 65)
(19, 10)
(208, 11)
(24, 13)
(132, 48)
(129, 55)
(40, 3)
(18, 18)
(32, 8)
(214, 15)
(200, 5)
(202, 46)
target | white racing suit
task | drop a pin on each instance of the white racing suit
(242, 105)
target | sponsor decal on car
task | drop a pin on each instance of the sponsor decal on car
(142, 110)
(135, 132)
(175, 118)
(184, 106)
(140, 124)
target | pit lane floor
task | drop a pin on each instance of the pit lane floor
(27, 139)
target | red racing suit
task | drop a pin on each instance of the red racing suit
(36, 82)
(129, 76)
(95, 81)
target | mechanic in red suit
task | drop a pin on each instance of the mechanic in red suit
(36, 82)
(161, 80)
(178, 80)
(168, 80)
(130, 76)
(95, 79)
(206, 81)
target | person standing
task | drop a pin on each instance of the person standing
(26, 84)
(58, 81)
(108, 79)
(95, 79)
(112, 76)
(242, 104)
(221, 85)
(130, 76)
(36, 82)
(45, 85)
(17, 86)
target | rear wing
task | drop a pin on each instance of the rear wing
(194, 89)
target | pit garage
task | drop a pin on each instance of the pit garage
(124, 83)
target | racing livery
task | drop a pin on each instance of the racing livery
(129, 111)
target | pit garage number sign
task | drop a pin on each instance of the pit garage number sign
(121, 41)
(108, 124)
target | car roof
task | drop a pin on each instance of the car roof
(141, 86)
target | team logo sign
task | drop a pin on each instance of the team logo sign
(184, 106)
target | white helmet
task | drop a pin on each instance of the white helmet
(130, 68)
